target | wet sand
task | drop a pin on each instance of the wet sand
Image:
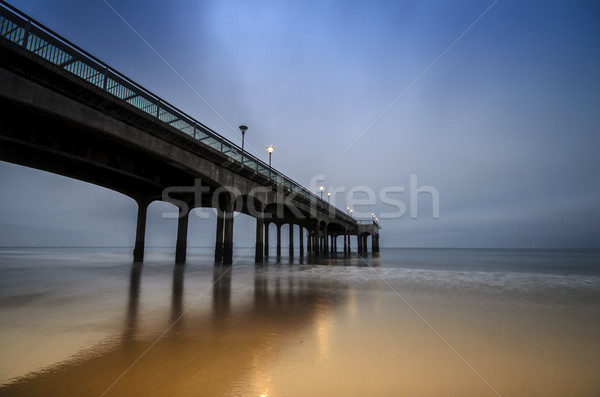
(111, 328)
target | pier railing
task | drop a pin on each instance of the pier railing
(24, 31)
(367, 222)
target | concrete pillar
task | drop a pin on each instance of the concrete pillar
(278, 239)
(181, 244)
(345, 242)
(359, 242)
(301, 234)
(335, 238)
(219, 238)
(258, 252)
(365, 247)
(326, 238)
(349, 246)
(291, 235)
(376, 244)
(140, 232)
(228, 238)
(308, 240)
(266, 238)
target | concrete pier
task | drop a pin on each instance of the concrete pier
(219, 237)
(59, 121)
(228, 237)
(291, 239)
(182, 231)
(278, 239)
(140, 231)
(258, 252)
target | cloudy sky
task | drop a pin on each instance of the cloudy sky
(493, 105)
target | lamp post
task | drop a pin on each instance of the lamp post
(270, 150)
(351, 212)
(329, 197)
(321, 188)
(243, 128)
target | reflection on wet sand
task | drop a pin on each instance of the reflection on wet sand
(200, 353)
(337, 328)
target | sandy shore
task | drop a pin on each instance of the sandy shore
(295, 330)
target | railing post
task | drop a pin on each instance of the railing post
(26, 34)
(105, 84)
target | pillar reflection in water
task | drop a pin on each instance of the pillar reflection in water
(221, 302)
(133, 301)
(177, 296)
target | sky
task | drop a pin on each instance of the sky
(489, 109)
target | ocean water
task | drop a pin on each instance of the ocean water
(86, 321)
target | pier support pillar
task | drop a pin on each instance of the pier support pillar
(301, 234)
(345, 242)
(359, 241)
(219, 238)
(375, 243)
(349, 247)
(140, 232)
(228, 238)
(258, 252)
(182, 229)
(278, 239)
(291, 235)
(308, 241)
(266, 243)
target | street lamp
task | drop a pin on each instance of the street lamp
(351, 212)
(329, 197)
(321, 188)
(270, 150)
(243, 128)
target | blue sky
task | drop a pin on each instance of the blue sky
(505, 125)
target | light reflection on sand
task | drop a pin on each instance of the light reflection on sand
(281, 329)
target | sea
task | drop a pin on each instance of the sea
(402, 322)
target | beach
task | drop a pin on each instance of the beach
(404, 322)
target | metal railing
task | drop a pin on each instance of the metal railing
(367, 222)
(19, 28)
